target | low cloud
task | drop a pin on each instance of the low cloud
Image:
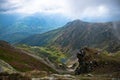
(87, 10)
(32, 6)
(95, 10)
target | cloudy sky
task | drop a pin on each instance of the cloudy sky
(86, 10)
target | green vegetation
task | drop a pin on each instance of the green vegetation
(109, 63)
(52, 54)
(20, 60)
(78, 34)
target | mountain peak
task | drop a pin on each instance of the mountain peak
(77, 34)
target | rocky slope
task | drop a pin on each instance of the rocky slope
(5, 67)
(77, 34)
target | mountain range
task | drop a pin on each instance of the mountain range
(46, 52)
(77, 34)
(14, 28)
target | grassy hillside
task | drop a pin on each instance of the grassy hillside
(108, 63)
(19, 60)
(78, 34)
(52, 54)
(42, 39)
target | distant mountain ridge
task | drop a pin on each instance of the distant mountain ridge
(77, 34)
(16, 25)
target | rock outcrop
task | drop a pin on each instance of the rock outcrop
(87, 61)
(5, 67)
